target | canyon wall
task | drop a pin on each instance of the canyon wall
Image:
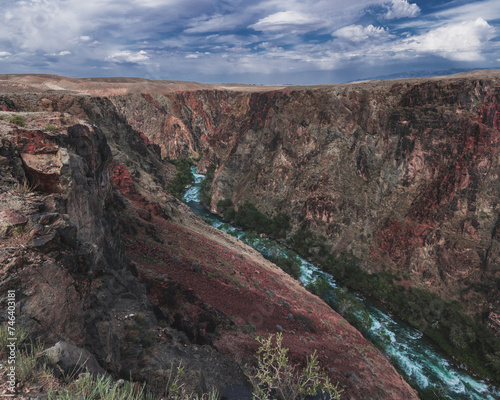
(404, 175)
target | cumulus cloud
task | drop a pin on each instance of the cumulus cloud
(360, 33)
(458, 41)
(128, 57)
(401, 9)
(287, 21)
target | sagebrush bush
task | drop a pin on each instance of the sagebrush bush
(17, 119)
(50, 128)
(275, 378)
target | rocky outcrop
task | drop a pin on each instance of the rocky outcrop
(63, 254)
(102, 257)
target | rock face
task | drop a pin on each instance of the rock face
(101, 257)
(64, 254)
(402, 174)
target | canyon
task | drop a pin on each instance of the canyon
(402, 175)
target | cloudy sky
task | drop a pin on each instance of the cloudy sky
(260, 41)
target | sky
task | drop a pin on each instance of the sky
(256, 42)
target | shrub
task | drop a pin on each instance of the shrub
(248, 217)
(182, 178)
(30, 370)
(280, 226)
(24, 187)
(290, 263)
(50, 128)
(352, 309)
(28, 367)
(320, 287)
(345, 303)
(229, 214)
(223, 205)
(432, 393)
(103, 388)
(275, 378)
(17, 119)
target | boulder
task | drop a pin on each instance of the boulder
(71, 360)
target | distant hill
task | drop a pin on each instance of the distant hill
(425, 73)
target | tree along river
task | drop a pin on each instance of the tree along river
(420, 359)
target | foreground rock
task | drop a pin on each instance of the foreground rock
(71, 360)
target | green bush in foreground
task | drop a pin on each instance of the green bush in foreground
(275, 378)
(18, 120)
(28, 367)
(50, 128)
(102, 388)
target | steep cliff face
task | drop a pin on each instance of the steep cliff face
(403, 174)
(103, 257)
